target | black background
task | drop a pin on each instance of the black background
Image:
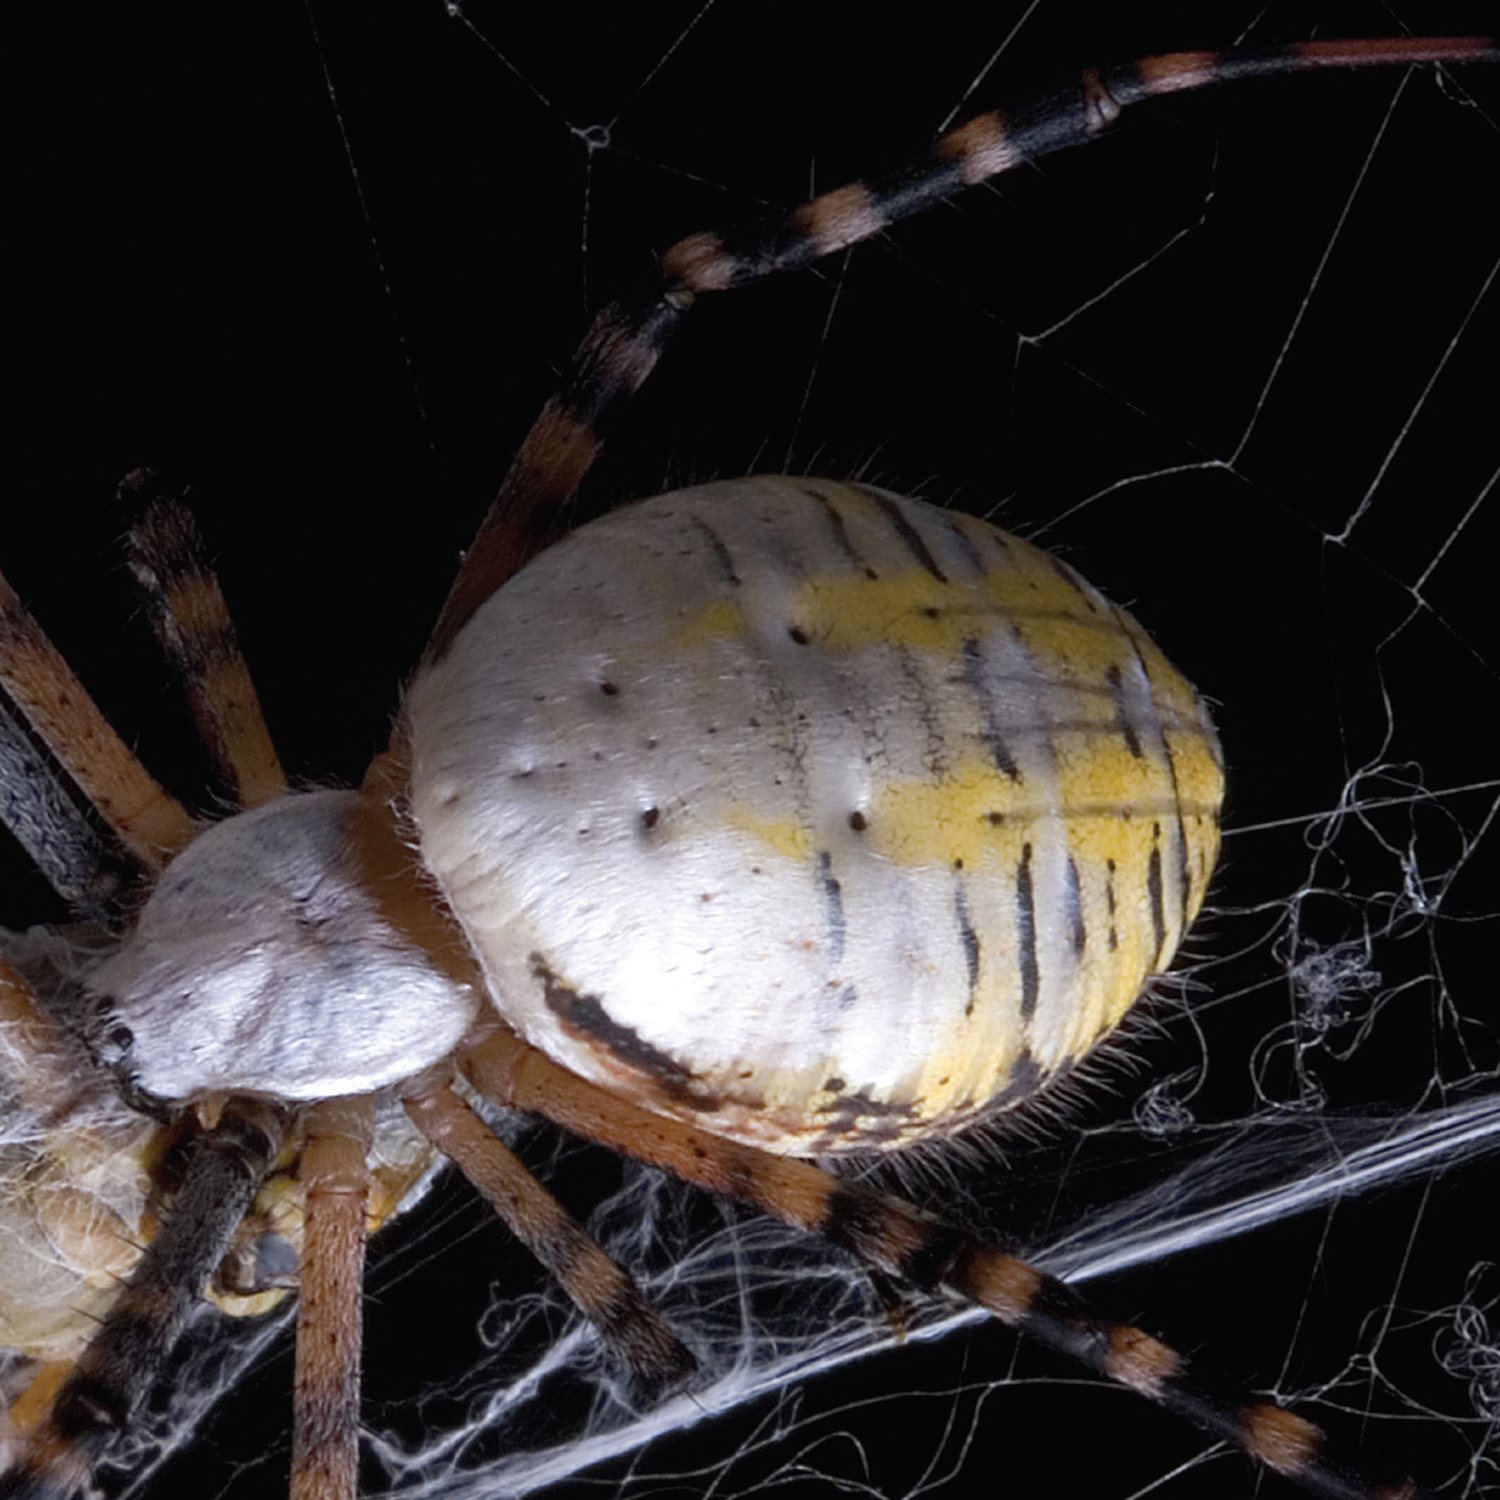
(325, 263)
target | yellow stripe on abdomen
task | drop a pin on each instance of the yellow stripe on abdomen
(825, 819)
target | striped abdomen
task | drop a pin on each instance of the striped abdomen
(820, 817)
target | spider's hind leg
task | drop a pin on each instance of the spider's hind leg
(602, 1290)
(922, 1250)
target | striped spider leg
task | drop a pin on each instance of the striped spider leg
(895, 1237)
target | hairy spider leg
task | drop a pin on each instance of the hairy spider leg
(146, 819)
(86, 866)
(325, 1383)
(72, 761)
(625, 340)
(922, 1250)
(196, 635)
(85, 767)
(602, 1290)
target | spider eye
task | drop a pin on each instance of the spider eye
(114, 1043)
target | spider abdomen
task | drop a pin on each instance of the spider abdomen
(821, 817)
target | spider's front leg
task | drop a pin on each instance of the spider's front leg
(89, 814)
(196, 634)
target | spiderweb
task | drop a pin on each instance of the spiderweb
(1235, 363)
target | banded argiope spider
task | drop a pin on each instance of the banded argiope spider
(1143, 593)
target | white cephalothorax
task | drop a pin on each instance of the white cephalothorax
(266, 962)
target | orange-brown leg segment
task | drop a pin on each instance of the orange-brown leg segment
(28, 1409)
(192, 624)
(625, 341)
(124, 1359)
(604, 1292)
(67, 780)
(921, 1249)
(617, 354)
(150, 823)
(325, 1410)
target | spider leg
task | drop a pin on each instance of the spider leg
(54, 803)
(602, 1290)
(51, 820)
(618, 352)
(325, 1402)
(919, 1248)
(126, 1356)
(625, 340)
(42, 687)
(49, 711)
(196, 634)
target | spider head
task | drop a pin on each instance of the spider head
(111, 1043)
(267, 961)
